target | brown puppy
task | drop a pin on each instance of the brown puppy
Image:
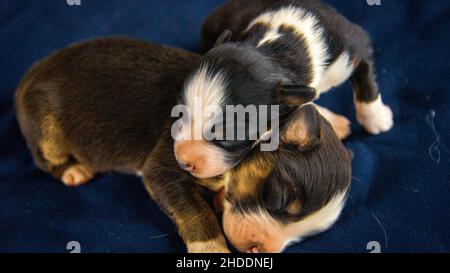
(104, 105)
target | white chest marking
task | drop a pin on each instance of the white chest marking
(338, 72)
(305, 24)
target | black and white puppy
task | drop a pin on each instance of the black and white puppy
(279, 52)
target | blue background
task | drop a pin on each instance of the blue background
(400, 192)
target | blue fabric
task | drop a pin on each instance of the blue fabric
(400, 194)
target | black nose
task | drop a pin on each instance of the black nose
(186, 166)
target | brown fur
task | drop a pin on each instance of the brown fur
(104, 105)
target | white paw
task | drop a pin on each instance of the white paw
(375, 117)
(77, 175)
(217, 245)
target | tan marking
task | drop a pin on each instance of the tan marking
(294, 207)
(214, 183)
(243, 180)
(296, 133)
(340, 124)
(52, 144)
(216, 245)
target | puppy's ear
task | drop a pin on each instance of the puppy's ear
(302, 128)
(225, 37)
(279, 196)
(296, 95)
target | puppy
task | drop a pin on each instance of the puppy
(280, 52)
(104, 105)
(273, 199)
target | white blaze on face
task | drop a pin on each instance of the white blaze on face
(203, 95)
(305, 24)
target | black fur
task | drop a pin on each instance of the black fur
(312, 176)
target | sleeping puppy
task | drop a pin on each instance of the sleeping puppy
(104, 105)
(280, 52)
(273, 199)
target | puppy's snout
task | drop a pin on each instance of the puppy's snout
(199, 158)
(188, 155)
(252, 234)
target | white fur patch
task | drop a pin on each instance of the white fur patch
(210, 88)
(376, 117)
(202, 93)
(335, 74)
(317, 222)
(270, 36)
(306, 25)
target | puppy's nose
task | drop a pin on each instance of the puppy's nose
(186, 166)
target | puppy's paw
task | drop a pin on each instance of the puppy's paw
(375, 117)
(341, 126)
(217, 245)
(77, 175)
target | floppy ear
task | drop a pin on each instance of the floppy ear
(223, 38)
(302, 128)
(278, 196)
(296, 95)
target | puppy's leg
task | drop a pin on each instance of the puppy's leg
(178, 198)
(56, 152)
(340, 124)
(371, 112)
(175, 192)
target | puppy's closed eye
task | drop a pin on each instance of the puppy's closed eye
(279, 196)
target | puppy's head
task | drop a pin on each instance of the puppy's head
(275, 198)
(231, 74)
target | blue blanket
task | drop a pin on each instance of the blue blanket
(400, 195)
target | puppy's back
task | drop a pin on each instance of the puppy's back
(108, 98)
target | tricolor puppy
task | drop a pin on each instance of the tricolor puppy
(279, 52)
(104, 105)
(272, 199)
